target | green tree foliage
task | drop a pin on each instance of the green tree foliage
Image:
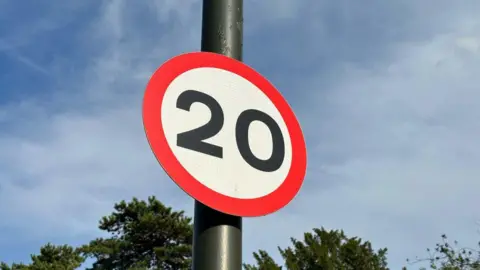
(264, 262)
(149, 235)
(51, 258)
(325, 250)
(446, 256)
(143, 235)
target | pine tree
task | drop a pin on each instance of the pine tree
(325, 250)
(51, 258)
(144, 235)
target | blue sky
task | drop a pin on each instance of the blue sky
(386, 92)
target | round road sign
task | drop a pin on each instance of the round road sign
(224, 134)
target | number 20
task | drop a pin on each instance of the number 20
(193, 139)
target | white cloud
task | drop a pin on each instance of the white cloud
(400, 143)
(77, 160)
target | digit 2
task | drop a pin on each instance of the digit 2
(193, 139)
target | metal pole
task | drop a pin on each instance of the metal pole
(217, 237)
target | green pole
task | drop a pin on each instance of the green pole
(217, 237)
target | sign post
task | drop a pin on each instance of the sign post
(217, 237)
(225, 135)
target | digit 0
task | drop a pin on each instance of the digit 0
(274, 162)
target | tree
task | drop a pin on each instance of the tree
(446, 256)
(325, 250)
(144, 235)
(51, 258)
(264, 261)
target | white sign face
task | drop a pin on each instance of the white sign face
(224, 134)
(230, 175)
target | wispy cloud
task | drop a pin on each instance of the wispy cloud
(28, 62)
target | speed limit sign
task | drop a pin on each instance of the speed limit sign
(224, 134)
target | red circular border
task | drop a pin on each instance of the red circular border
(152, 121)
